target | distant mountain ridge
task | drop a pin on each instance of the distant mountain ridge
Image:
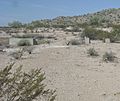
(102, 18)
(108, 15)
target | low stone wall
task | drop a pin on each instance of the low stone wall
(107, 40)
(15, 41)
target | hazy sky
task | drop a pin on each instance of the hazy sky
(28, 10)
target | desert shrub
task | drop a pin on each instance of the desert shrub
(15, 24)
(22, 86)
(115, 35)
(74, 42)
(28, 49)
(17, 55)
(73, 29)
(43, 41)
(94, 20)
(109, 57)
(24, 43)
(92, 52)
(66, 33)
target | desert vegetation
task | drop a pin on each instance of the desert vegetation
(109, 57)
(17, 54)
(92, 52)
(28, 49)
(61, 46)
(22, 86)
(105, 18)
(95, 34)
(89, 24)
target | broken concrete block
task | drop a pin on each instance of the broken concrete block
(87, 40)
(107, 40)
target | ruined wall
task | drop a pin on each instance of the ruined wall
(15, 41)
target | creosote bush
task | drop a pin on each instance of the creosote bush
(22, 86)
(28, 49)
(74, 42)
(18, 54)
(24, 43)
(109, 57)
(92, 52)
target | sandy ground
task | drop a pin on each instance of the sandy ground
(75, 75)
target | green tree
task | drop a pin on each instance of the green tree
(89, 32)
(95, 34)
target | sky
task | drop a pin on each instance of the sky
(29, 10)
